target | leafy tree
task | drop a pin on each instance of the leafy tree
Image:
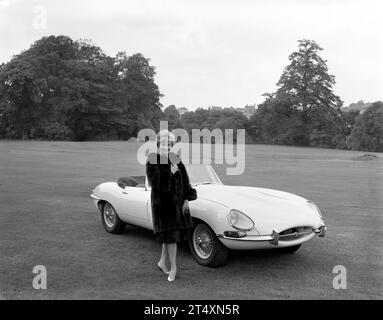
(65, 89)
(227, 118)
(367, 133)
(136, 93)
(195, 119)
(172, 115)
(307, 81)
(304, 110)
(277, 122)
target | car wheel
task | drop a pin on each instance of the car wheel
(205, 246)
(110, 220)
(290, 249)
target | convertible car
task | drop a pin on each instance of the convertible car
(225, 217)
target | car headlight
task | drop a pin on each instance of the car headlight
(313, 206)
(240, 221)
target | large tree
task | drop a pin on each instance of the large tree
(65, 89)
(304, 108)
(307, 81)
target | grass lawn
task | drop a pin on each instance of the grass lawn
(47, 218)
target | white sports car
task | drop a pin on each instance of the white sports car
(225, 217)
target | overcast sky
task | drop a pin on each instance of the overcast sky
(223, 53)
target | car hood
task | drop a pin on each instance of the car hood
(269, 209)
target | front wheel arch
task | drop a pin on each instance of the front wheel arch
(101, 204)
(219, 253)
(118, 226)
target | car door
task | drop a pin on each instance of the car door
(132, 206)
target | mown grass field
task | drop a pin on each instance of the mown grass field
(47, 218)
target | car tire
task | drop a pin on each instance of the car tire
(211, 253)
(110, 219)
(290, 250)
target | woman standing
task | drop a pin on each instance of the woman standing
(170, 194)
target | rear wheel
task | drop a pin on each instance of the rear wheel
(290, 250)
(110, 220)
(205, 246)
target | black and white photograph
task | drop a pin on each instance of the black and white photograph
(189, 150)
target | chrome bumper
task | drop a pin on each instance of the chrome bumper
(275, 237)
(321, 231)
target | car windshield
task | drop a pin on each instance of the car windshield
(202, 174)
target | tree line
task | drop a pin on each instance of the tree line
(303, 111)
(61, 89)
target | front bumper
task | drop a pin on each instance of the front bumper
(274, 240)
(321, 231)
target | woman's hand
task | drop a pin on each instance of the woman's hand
(174, 168)
(174, 158)
(185, 206)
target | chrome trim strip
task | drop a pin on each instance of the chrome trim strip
(94, 197)
(295, 234)
(247, 238)
(321, 230)
(272, 238)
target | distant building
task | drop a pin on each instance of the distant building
(182, 110)
(249, 110)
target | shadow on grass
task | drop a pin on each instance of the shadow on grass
(260, 256)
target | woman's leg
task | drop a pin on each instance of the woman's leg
(172, 250)
(162, 262)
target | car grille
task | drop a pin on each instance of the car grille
(294, 233)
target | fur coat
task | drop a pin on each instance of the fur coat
(169, 191)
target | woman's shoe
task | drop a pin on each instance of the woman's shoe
(162, 269)
(172, 276)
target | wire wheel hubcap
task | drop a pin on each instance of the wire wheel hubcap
(109, 216)
(203, 241)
